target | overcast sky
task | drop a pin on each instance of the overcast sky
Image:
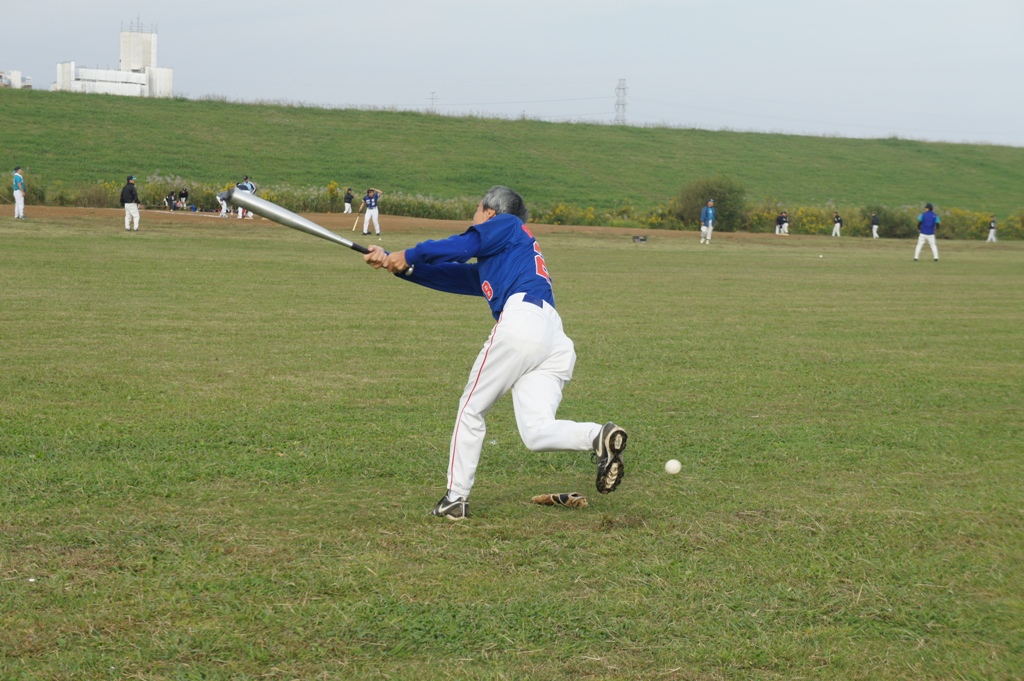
(948, 70)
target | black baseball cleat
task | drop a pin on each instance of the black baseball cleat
(453, 510)
(608, 447)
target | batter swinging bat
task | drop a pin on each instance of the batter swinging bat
(285, 217)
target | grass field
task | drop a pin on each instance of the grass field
(219, 444)
(72, 139)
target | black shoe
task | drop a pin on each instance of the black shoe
(608, 457)
(453, 510)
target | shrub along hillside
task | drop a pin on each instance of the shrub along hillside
(75, 146)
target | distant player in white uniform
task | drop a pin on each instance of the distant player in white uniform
(370, 206)
(874, 225)
(246, 186)
(19, 194)
(837, 225)
(348, 199)
(991, 231)
(527, 351)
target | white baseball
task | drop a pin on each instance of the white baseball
(672, 466)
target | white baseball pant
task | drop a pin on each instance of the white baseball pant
(835, 229)
(923, 239)
(19, 203)
(224, 210)
(991, 236)
(706, 230)
(371, 214)
(348, 207)
(529, 354)
(131, 212)
(785, 228)
(874, 231)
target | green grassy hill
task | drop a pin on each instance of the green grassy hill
(74, 139)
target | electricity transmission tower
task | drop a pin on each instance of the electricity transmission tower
(620, 102)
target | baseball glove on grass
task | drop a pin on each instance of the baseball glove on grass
(569, 499)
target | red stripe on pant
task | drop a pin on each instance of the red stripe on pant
(458, 422)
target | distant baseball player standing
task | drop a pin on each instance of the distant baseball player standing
(348, 199)
(246, 186)
(837, 223)
(926, 224)
(991, 231)
(527, 351)
(370, 205)
(130, 201)
(19, 194)
(874, 225)
(708, 217)
(183, 198)
(782, 224)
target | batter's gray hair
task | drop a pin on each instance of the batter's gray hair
(501, 199)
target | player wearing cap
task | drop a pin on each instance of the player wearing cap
(837, 223)
(991, 231)
(348, 199)
(130, 201)
(874, 225)
(926, 224)
(370, 206)
(708, 217)
(19, 194)
(527, 351)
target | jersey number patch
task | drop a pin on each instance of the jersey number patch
(542, 267)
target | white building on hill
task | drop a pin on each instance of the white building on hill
(15, 80)
(137, 75)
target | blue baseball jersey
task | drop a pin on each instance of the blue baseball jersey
(508, 261)
(927, 221)
(707, 214)
(371, 200)
(19, 182)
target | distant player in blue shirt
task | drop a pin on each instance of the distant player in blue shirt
(926, 224)
(708, 218)
(372, 214)
(19, 194)
(527, 351)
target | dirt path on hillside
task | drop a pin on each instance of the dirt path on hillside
(342, 223)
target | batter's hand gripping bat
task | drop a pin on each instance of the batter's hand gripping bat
(283, 216)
